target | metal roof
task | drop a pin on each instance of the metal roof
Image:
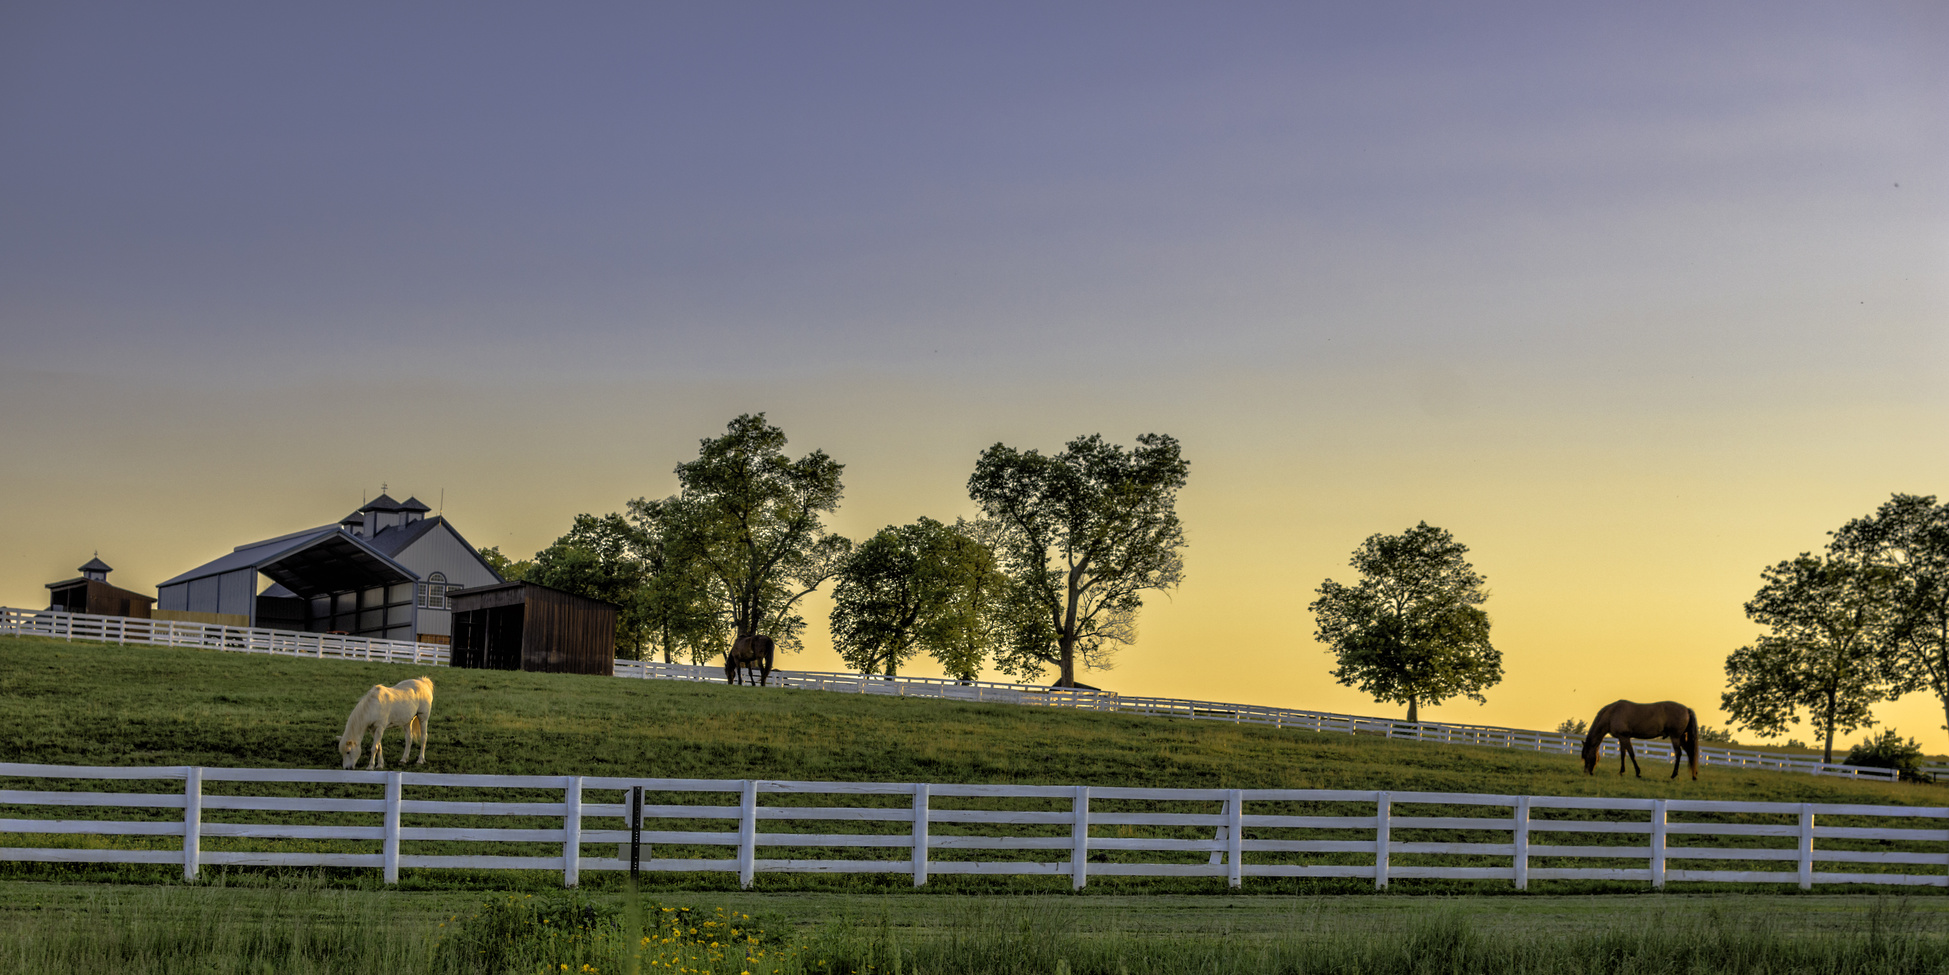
(96, 565)
(413, 504)
(314, 563)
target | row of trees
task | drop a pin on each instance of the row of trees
(1865, 621)
(1051, 574)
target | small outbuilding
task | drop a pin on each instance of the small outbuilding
(91, 594)
(526, 626)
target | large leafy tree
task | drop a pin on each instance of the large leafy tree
(1823, 653)
(599, 558)
(684, 612)
(925, 586)
(750, 520)
(1412, 630)
(1909, 536)
(1082, 534)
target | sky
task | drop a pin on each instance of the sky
(1635, 301)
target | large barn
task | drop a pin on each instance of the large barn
(381, 571)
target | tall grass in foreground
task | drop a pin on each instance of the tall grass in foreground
(335, 931)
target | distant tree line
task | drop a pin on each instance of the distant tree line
(1049, 575)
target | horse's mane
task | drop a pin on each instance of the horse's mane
(360, 718)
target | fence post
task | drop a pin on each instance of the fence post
(1806, 846)
(1658, 843)
(192, 821)
(1380, 840)
(390, 852)
(1235, 843)
(635, 833)
(1079, 838)
(748, 834)
(920, 833)
(572, 831)
(1522, 843)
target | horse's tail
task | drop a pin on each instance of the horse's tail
(1692, 739)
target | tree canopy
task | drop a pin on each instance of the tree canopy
(1823, 653)
(750, 521)
(1081, 534)
(598, 558)
(1909, 537)
(925, 586)
(1412, 630)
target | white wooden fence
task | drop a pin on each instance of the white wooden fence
(175, 633)
(1650, 753)
(116, 629)
(390, 821)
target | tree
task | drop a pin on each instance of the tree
(508, 569)
(1082, 535)
(1412, 630)
(750, 520)
(683, 610)
(1909, 537)
(909, 588)
(1823, 654)
(598, 558)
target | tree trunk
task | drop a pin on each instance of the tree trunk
(1828, 755)
(1414, 710)
(1066, 649)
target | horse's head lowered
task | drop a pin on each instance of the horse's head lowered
(348, 749)
(1593, 748)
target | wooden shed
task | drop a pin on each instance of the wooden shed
(525, 626)
(91, 593)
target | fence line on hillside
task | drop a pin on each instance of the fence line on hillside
(1649, 752)
(403, 820)
(119, 629)
(245, 639)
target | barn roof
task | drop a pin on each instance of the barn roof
(311, 563)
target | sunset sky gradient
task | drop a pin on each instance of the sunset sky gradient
(1634, 300)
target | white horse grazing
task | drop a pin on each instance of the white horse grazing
(408, 703)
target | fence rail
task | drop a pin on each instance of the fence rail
(197, 817)
(116, 629)
(176, 633)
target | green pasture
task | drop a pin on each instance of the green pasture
(91, 704)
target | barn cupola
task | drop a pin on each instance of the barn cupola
(380, 513)
(96, 569)
(412, 510)
(354, 523)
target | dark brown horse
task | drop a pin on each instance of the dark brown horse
(1625, 720)
(754, 651)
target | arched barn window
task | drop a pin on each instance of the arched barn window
(433, 592)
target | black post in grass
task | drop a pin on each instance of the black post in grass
(635, 833)
(632, 905)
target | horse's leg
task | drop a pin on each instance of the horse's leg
(412, 724)
(1628, 750)
(1678, 751)
(378, 747)
(423, 718)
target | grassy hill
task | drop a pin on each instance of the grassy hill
(93, 704)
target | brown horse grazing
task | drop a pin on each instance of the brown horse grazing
(1625, 720)
(754, 651)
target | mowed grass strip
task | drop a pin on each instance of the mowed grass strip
(93, 704)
